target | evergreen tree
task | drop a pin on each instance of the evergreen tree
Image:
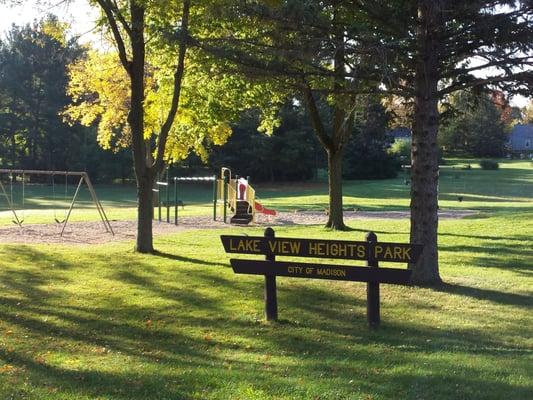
(288, 154)
(33, 78)
(367, 155)
(433, 49)
(447, 37)
(476, 127)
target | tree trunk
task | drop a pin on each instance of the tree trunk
(424, 151)
(145, 166)
(335, 219)
(145, 209)
(342, 128)
(141, 155)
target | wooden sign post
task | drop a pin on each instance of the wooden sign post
(372, 288)
(371, 251)
(271, 296)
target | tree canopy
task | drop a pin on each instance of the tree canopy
(157, 93)
(99, 88)
(477, 126)
(33, 77)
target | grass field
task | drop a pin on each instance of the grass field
(507, 189)
(101, 322)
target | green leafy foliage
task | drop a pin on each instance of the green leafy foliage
(367, 155)
(34, 63)
(401, 149)
(289, 154)
(211, 97)
(475, 127)
(33, 77)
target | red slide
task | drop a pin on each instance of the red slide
(260, 208)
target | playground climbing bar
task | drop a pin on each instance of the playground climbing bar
(177, 179)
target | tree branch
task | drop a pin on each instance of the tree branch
(318, 126)
(121, 19)
(520, 61)
(122, 53)
(178, 78)
(525, 77)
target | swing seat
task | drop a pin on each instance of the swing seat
(19, 223)
(59, 221)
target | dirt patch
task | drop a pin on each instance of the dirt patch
(94, 232)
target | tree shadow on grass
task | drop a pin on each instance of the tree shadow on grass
(518, 238)
(190, 260)
(500, 250)
(494, 296)
(28, 281)
(195, 336)
(391, 232)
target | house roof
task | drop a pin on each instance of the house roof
(400, 133)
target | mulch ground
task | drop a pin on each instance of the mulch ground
(94, 232)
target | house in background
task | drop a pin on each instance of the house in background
(521, 141)
(402, 133)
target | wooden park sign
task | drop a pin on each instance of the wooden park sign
(370, 251)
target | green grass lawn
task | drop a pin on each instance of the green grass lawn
(101, 322)
(508, 189)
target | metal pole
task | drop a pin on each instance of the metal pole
(10, 204)
(372, 288)
(40, 172)
(72, 206)
(175, 201)
(158, 200)
(154, 193)
(99, 206)
(214, 197)
(168, 199)
(225, 197)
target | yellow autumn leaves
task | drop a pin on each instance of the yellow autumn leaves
(210, 101)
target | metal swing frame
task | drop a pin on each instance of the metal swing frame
(84, 177)
(58, 221)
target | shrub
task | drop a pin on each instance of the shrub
(489, 164)
(401, 148)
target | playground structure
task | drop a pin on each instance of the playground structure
(240, 197)
(83, 177)
(231, 193)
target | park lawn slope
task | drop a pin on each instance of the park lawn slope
(101, 322)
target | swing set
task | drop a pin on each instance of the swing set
(19, 217)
